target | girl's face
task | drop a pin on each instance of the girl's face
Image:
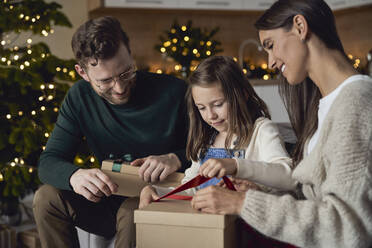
(286, 52)
(212, 106)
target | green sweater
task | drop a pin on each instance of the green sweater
(153, 122)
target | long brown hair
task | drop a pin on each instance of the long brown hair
(244, 105)
(302, 100)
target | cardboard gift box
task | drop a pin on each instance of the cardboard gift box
(29, 239)
(7, 237)
(174, 223)
(130, 184)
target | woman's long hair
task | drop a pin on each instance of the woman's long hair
(244, 105)
(302, 100)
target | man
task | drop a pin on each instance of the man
(119, 111)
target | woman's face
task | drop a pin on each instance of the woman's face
(286, 52)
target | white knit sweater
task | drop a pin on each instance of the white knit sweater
(336, 179)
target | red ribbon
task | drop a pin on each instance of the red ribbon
(196, 181)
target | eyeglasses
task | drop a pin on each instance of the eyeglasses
(124, 77)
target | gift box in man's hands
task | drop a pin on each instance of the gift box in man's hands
(128, 180)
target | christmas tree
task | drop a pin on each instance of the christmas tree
(188, 45)
(32, 87)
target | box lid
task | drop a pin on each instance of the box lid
(180, 213)
(130, 184)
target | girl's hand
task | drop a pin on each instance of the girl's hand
(218, 200)
(148, 195)
(241, 185)
(218, 167)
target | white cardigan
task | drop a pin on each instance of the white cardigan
(266, 161)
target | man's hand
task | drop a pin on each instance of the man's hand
(92, 184)
(157, 168)
(148, 195)
(218, 167)
(218, 200)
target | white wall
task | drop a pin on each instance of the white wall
(270, 94)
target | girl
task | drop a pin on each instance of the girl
(229, 128)
(333, 155)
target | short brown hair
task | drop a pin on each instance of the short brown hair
(98, 39)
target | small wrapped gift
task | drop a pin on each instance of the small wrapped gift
(29, 239)
(130, 184)
(174, 223)
(7, 237)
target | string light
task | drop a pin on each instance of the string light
(42, 86)
(46, 135)
(20, 113)
(27, 63)
(58, 68)
(245, 71)
(22, 67)
(16, 57)
(9, 62)
(12, 164)
(92, 159)
(202, 43)
(174, 48)
(52, 31)
(162, 49)
(264, 66)
(16, 48)
(3, 59)
(252, 67)
(29, 51)
(159, 71)
(209, 43)
(55, 109)
(177, 67)
(64, 70)
(43, 55)
(29, 40)
(43, 147)
(42, 108)
(38, 17)
(183, 28)
(208, 53)
(51, 86)
(50, 97)
(41, 98)
(235, 59)
(21, 16)
(174, 40)
(30, 170)
(266, 77)
(167, 43)
(27, 18)
(195, 51)
(186, 38)
(173, 31)
(33, 112)
(33, 19)
(3, 42)
(8, 116)
(1, 177)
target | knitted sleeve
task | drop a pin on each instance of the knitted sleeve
(337, 184)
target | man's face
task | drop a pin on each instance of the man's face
(112, 79)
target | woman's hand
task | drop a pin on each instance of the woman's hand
(148, 195)
(241, 185)
(218, 200)
(218, 167)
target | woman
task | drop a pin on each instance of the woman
(330, 109)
